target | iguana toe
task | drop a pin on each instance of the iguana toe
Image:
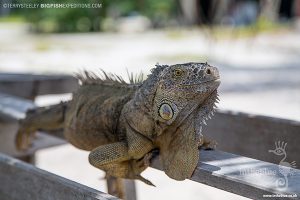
(139, 177)
(209, 145)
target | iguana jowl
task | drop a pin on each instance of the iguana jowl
(123, 124)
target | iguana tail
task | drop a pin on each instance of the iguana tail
(43, 118)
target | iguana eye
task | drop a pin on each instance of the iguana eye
(178, 72)
(165, 111)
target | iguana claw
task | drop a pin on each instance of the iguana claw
(139, 177)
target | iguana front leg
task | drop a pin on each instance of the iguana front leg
(130, 169)
(125, 160)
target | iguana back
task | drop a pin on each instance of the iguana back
(93, 114)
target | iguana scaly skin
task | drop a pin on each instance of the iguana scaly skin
(123, 124)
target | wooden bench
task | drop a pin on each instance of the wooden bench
(241, 134)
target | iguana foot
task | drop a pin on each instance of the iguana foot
(142, 164)
(209, 145)
(145, 161)
(206, 144)
(24, 136)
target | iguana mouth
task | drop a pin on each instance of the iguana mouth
(200, 87)
(208, 81)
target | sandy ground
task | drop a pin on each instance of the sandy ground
(259, 75)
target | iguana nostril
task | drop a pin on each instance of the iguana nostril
(208, 71)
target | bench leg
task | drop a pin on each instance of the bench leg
(122, 188)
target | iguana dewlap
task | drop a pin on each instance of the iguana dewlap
(123, 124)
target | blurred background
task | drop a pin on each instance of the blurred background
(254, 43)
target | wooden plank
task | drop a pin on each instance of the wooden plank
(241, 175)
(21, 181)
(253, 135)
(29, 85)
(13, 108)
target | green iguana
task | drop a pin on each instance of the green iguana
(124, 124)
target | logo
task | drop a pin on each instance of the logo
(285, 168)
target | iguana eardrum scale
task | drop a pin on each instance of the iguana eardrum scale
(124, 124)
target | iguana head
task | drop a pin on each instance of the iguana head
(170, 108)
(184, 98)
(183, 88)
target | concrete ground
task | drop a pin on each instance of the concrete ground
(260, 75)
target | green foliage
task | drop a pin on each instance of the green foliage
(90, 19)
(63, 19)
(160, 10)
(12, 19)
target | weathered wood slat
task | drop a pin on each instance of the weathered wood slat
(253, 135)
(13, 108)
(21, 181)
(241, 175)
(29, 86)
